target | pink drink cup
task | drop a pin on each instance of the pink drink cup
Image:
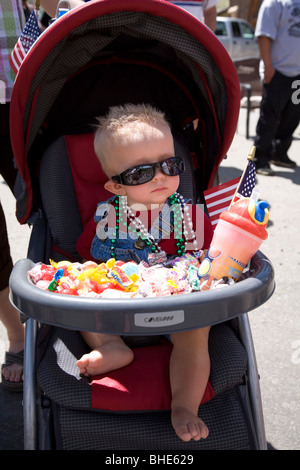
(237, 237)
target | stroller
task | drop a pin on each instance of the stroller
(104, 53)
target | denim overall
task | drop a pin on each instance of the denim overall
(127, 246)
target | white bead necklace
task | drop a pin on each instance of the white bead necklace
(182, 222)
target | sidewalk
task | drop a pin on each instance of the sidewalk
(275, 325)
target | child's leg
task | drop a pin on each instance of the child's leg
(109, 352)
(189, 373)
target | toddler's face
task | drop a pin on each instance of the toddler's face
(153, 146)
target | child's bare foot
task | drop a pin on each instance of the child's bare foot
(110, 356)
(188, 426)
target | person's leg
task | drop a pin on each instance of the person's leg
(272, 104)
(290, 118)
(109, 352)
(189, 374)
(9, 316)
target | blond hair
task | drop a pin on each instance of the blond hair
(122, 124)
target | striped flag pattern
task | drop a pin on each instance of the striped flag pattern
(218, 199)
(28, 37)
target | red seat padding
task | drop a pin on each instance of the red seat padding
(142, 385)
(88, 178)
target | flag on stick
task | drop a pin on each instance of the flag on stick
(218, 199)
(247, 182)
(28, 37)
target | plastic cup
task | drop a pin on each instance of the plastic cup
(237, 237)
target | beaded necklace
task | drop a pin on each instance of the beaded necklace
(183, 226)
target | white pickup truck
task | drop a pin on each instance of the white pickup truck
(237, 36)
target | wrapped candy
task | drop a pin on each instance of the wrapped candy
(194, 278)
(42, 272)
(117, 279)
(54, 283)
(160, 281)
(120, 277)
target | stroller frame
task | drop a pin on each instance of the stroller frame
(28, 116)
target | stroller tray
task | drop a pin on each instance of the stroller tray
(143, 316)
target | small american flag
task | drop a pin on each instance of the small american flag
(247, 183)
(218, 199)
(28, 37)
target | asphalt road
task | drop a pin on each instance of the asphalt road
(275, 325)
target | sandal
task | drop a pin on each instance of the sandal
(12, 358)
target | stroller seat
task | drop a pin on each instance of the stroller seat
(78, 187)
(142, 387)
(108, 53)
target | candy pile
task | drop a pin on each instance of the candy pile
(118, 279)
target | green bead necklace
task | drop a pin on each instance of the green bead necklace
(182, 221)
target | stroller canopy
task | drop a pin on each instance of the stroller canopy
(111, 51)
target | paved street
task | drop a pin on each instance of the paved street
(275, 325)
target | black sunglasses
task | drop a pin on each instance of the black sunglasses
(141, 174)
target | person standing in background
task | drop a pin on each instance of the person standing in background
(278, 33)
